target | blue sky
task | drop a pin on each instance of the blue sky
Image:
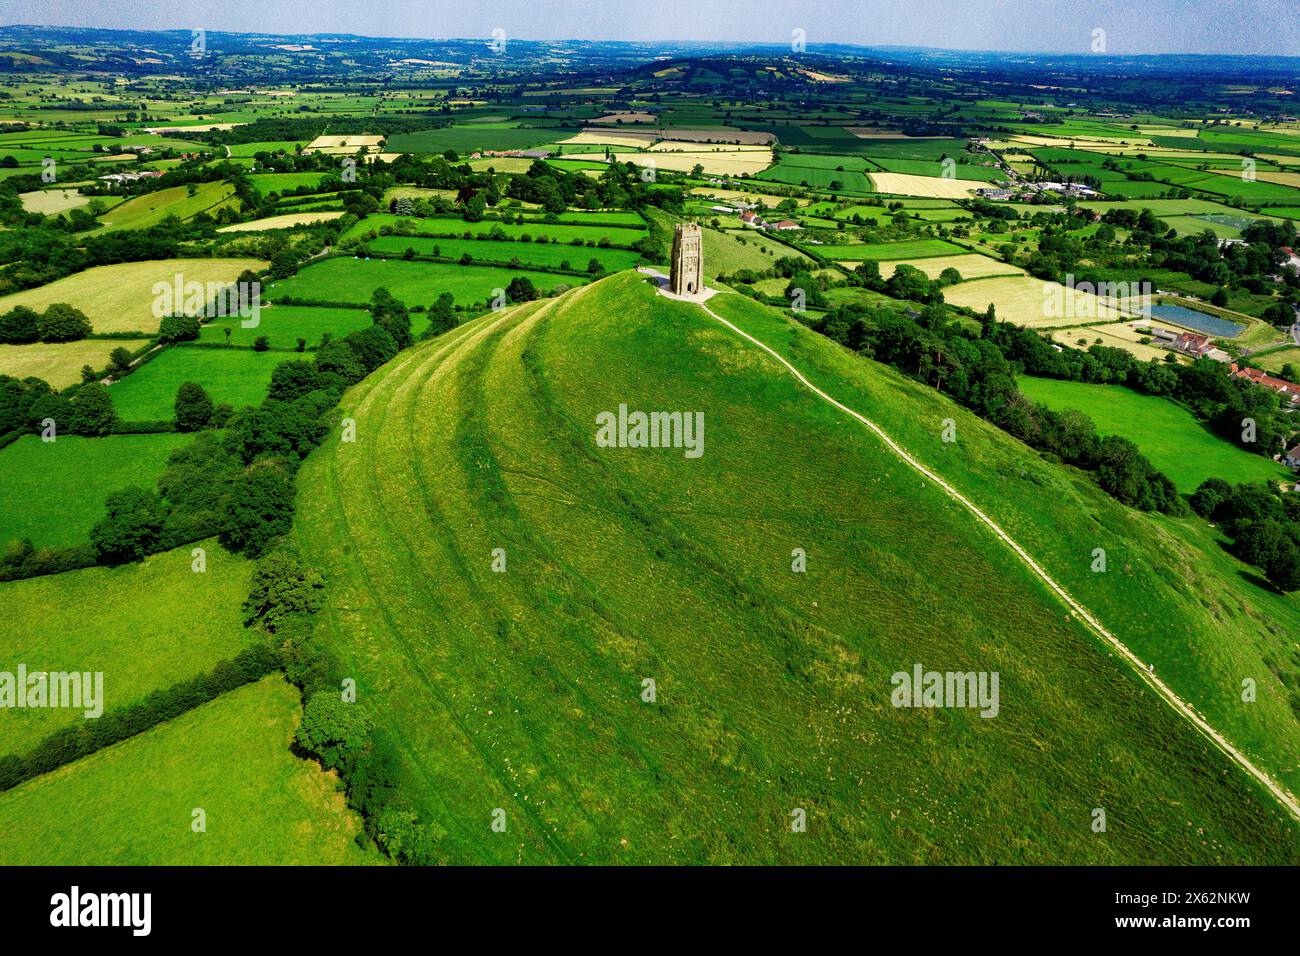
(1131, 26)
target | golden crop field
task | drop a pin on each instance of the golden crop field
(1032, 302)
(933, 187)
(119, 298)
(972, 266)
(60, 363)
(718, 163)
(283, 222)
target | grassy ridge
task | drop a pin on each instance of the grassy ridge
(520, 690)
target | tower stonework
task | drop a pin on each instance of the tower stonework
(688, 260)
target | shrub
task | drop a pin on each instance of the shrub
(257, 508)
(282, 585)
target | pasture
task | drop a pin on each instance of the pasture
(528, 253)
(283, 325)
(133, 803)
(344, 279)
(149, 209)
(53, 492)
(125, 622)
(236, 377)
(1168, 434)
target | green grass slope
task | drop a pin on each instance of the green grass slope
(133, 803)
(522, 690)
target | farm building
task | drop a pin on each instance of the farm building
(1291, 458)
(1287, 390)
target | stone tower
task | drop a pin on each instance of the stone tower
(688, 260)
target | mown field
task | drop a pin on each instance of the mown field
(415, 283)
(233, 376)
(60, 363)
(522, 689)
(53, 492)
(145, 625)
(133, 803)
(120, 298)
(1168, 434)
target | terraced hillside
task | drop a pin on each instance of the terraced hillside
(522, 689)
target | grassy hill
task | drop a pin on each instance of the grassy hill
(522, 690)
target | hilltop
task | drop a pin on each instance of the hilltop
(524, 689)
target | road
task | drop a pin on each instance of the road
(1281, 794)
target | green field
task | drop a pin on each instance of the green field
(528, 253)
(267, 183)
(906, 249)
(522, 690)
(145, 626)
(152, 208)
(236, 377)
(566, 233)
(1167, 433)
(133, 803)
(53, 492)
(344, 279)
(283, 325)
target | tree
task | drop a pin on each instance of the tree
(1212, 493)
(282, 585)
(335, 731)
(295, 378)
(90, 410)
(442, 315)
(178, 328)
(521, 289)
(119, 362)
(131, 528)
(257, 508)
(63, 323)
(1220, 298)
(193, 407)
(1283, 569)
(20, 326)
